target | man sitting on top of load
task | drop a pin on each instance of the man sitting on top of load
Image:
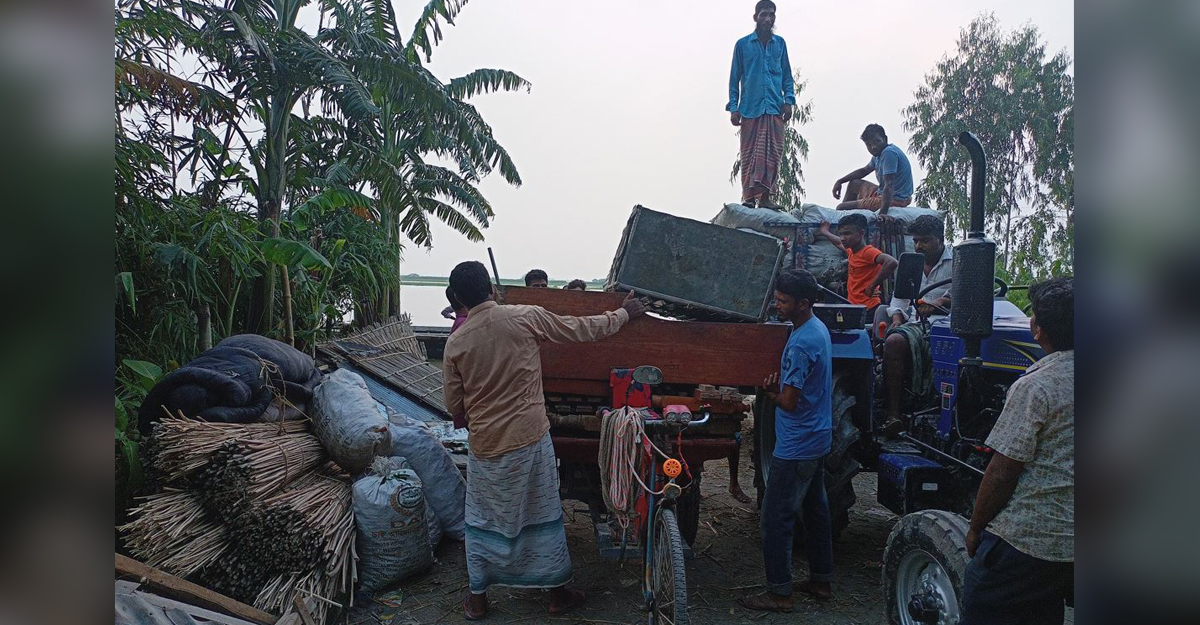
(891, 169)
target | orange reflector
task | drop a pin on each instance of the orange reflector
(672, 468)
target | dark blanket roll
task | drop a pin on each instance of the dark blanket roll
(233, 382)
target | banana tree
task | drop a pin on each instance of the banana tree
(256, 48)
(382, 115)
(390, 155)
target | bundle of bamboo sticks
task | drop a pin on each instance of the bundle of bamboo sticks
(170, 532)
(254, 511)
(180, 445)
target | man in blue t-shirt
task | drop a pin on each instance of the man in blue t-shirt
(891, 170)
(803, 435)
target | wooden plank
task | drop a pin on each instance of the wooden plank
(192, 593)
(306, 617)
(588, 388)
(562, 301)
(688, 352)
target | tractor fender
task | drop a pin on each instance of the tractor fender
(851, 345)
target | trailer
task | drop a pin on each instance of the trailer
(709, 365)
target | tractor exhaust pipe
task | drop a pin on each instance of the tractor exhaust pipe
(974, 263)
(978, 179)
(971, 292)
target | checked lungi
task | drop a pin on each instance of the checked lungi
(762, 149)
(515, 534)
(869, 198)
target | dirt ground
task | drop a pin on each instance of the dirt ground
(727, 564)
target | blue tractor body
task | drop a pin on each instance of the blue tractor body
(851, 345)
(1007, 353)
(938, 462)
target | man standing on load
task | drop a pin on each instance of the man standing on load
(891, 170)
(761, 97)
(493, 374)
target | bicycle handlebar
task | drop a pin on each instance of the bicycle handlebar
(664, 422)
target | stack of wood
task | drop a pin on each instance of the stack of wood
(727, 394)
(254, 511)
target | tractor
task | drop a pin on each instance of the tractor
(929, 473)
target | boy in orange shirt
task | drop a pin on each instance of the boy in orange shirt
(867, 266)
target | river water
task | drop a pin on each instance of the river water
(424, 304)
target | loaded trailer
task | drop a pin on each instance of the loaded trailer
(709, 366)
(719, 282)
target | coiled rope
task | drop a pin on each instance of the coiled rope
(621, 460)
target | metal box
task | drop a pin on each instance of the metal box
(841, 316)
(720, 270)
(908, 483)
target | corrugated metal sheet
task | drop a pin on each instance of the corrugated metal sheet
(392, 398)
(139, 607)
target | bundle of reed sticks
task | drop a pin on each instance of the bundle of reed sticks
(180, 445)
(306, 528)
(326, 503)
(242, 470)
(263, 541)
(170, 532)
(277, 596)
(254, 511)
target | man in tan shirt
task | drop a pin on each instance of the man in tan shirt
(1022, 533)
(493, 374)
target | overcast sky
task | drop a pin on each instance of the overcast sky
(628, 97)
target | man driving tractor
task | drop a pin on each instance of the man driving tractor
(906, 348)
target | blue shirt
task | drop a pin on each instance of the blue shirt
(893, 161)
(806, 433)
(764, 76)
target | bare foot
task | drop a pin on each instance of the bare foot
(563, 599)
(738, 494)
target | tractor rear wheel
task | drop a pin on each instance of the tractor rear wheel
(840, 466)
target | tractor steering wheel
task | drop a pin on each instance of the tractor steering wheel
(1001, 288)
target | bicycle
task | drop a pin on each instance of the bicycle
(654, 437)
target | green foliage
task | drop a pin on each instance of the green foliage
(307, 149)
(289, 253)
(789, 187)
(1001, 86)
(147, 373)
(125, 282)
(134, 381)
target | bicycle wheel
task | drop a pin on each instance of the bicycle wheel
(670, 605)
